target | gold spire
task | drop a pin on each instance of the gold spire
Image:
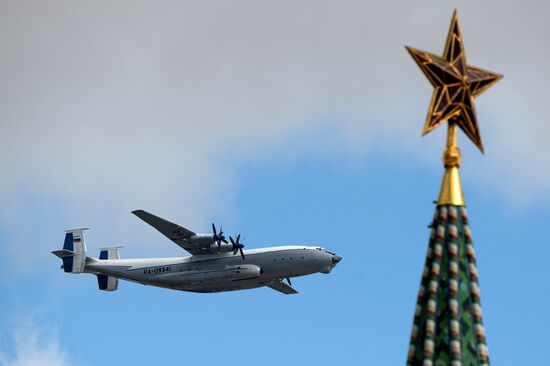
(456, 84)
(451, 188)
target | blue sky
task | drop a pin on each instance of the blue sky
(303, 133)
(359, 314)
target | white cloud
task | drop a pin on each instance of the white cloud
(115, 105)
(35, 347)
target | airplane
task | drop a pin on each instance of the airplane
(215, 265)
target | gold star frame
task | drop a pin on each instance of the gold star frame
(455, 83)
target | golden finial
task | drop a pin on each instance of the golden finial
(456, 84)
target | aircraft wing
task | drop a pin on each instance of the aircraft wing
(178, 234)
(280, 286)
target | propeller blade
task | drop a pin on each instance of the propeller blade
(225, 241)
(237, 246)
(234, 245)
(214, 229)
(288, 280)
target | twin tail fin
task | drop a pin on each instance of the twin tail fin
(73, 253)
(74, 258)
(105, 282)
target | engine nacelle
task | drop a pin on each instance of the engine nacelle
(207, 242)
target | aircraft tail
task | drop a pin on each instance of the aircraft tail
(73, 253)
(110, 252)
(105, 282)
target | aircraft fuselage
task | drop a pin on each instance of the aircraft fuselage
(220, 272)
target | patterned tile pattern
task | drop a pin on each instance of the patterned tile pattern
(448, 327)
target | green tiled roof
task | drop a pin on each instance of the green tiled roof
(448, 327)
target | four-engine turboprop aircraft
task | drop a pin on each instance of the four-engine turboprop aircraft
(214, 265)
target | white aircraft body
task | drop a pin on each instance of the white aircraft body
(213, 266)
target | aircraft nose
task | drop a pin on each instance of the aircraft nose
(335, 259)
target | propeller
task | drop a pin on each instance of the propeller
(237, 246)
(218, 237)
(288, 280)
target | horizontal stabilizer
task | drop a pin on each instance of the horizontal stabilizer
(282, 287)
(63, 253)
